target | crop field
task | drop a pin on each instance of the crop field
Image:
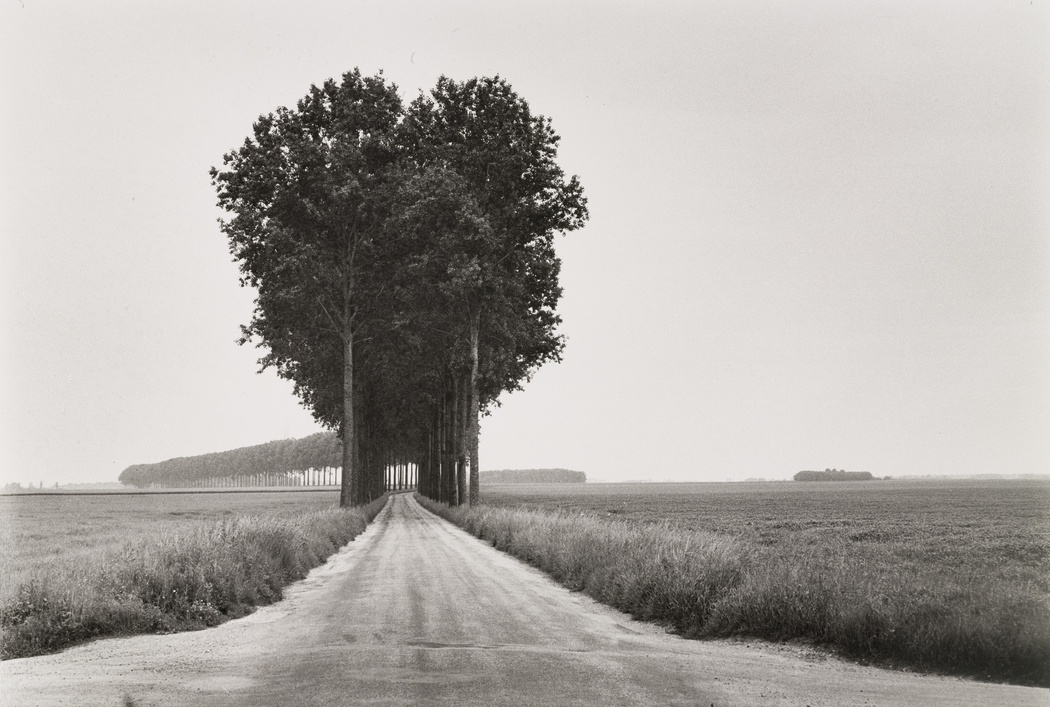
(77, 567)
(990, 528)
(948, 576)
(42, 531)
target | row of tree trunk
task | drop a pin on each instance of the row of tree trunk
(438, 454)
(399, 475)
(325, 476)
(448, 467)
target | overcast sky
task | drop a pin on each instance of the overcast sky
(819, 235)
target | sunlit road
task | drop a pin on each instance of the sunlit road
(415, 611)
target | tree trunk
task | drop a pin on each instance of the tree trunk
(442, 454)
(429, 487)
(462, 394)
(474, 412)
(449, 472)
(348, 493)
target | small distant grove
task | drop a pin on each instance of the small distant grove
(533, 476)
(833, 475)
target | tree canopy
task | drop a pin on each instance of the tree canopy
(404, 264)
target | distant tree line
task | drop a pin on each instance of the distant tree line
(16, 487)
(309, 461)
(533, 476)
(833, 475)
(404, 265)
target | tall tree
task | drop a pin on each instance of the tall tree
(404, 264)
(306, 194)
(505, 274)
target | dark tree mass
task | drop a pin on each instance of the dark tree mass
(310, 461)
(533, 476)
(833, 475)
(404, 265)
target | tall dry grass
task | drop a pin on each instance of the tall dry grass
(828, 594)
(197, 577)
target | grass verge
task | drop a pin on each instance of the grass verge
(828, 594)
(199, 577)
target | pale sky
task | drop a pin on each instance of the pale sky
(819, 235)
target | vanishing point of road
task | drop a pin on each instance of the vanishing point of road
(417, 612)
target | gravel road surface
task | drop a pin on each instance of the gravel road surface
(416, 611)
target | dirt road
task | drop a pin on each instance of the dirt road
(415, 611)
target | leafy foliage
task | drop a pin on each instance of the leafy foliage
(404, 263)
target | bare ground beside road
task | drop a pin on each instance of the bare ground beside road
(416, 611)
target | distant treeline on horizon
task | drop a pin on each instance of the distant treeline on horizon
(279, 463)
(533, 476)
(308, 461)
(833, 475)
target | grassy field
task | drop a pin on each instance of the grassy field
(949, 576)
(995, 528)
(42, 531)
(76, 567)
